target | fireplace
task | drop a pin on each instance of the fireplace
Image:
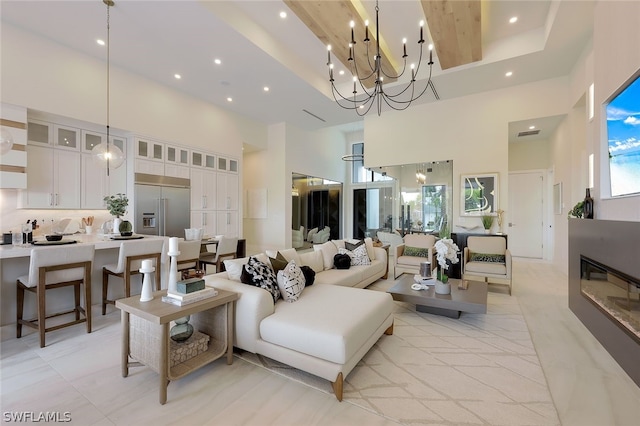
(604, 286)
(614, 293)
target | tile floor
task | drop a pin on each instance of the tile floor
(80, 374)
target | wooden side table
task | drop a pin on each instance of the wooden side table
(145, 333)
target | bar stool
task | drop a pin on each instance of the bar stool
(129, 261)
(55, 268)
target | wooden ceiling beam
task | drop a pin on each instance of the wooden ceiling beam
(329, 21)
(455, 28)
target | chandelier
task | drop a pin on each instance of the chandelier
(104, 154)
(362, 98)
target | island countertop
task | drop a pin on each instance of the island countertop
(100, 242)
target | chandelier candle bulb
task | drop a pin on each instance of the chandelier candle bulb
(352, 24)
(421, 26)
(329, 55)
(366, 30)
(404, 47)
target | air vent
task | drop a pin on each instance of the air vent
(313, 115)
(528, 133)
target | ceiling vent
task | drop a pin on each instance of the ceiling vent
(528, 133)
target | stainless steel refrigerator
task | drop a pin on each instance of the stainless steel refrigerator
(162, 205)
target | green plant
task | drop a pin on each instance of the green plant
(117, 204)
(487, 221)
(577, 210)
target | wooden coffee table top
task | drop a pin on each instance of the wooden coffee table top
(472, 300)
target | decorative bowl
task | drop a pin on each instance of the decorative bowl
(53, 237)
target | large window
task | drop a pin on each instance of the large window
(360, 174)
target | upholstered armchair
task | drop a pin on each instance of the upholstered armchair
(297, 237)
(487, 259)
(321, 236)
(417, 248)
(312, 232)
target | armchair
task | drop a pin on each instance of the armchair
(321, 236)
(416, 248)
(487, 259)
(297, 237)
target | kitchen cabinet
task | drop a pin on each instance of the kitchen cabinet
(203, 189)
(39, 132)
(227, 191)
(53, 179)
(227, 223)
(95, 184)
(203, 159)
(149, 150)
(176, 162)
(66, 137)
(227, 165)
(205, 220)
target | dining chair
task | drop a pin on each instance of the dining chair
(56, 268)
(226, 249)
(129, 260)
(189, 254)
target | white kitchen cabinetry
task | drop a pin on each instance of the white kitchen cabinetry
(53, 179)
(95, 184)
(66, 137)
(39, 132)
(176, 162)
(227, 223)
(203, 190)
(205, 220)
(227, 191)
(227, 165)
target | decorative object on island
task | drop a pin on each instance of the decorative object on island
(370, 80)
(446, 249)
(147, 269)
(577, 210)
(487, 222)
(425, 269)
(182, 330)
(588, 205)
(500, 215)
(104, 154)
(117, 206)
(125, 228)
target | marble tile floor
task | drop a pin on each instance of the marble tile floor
(80, 374)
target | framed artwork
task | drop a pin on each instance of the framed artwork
(479, 194)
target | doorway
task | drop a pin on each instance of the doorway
(526, 219)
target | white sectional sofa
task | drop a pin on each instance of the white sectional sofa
(327, 330)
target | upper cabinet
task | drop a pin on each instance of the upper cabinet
(39, 132)
(149, 150)
(227, 165)
(176, 162)
(66, 138)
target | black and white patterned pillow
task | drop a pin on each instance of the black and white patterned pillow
(291, 282)
(358, 256)
(260, 275)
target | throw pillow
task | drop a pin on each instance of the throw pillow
(328, 250)
(313, 259)
(259, 274)
(342, 261)
(279, 263)
(352, 246)
(309, 275)
(291, 282)
(368, 242)
(485, 257)
(358, 257)
(415, 251)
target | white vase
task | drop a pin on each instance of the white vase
(442, 288)
(116, 225)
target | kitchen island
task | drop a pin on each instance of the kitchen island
(14, 262)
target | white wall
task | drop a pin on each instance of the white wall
(529, 155)
(472, 131)
(616, 59)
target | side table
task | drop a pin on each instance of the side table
(145, 333)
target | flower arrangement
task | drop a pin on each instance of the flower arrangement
(117, 204)
(446, 249)
(487, 221)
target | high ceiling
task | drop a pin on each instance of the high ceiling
(258, 48)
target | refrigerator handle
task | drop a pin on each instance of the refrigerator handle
(163, 208)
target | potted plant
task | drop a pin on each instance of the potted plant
(487, 222)
(117, 206)
(577, 210)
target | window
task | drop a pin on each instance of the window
(359, 173)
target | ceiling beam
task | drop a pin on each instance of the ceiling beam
(329, 21)
(455, 28)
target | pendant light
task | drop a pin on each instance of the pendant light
(105, 154)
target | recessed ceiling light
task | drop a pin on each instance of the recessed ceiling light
(100, 42)
(229, 99)
(341, 72)
(177, 76)
(508, 74)
(513, 20)
(532, 127)
(217, 61)
(283, 14)
(265, 88)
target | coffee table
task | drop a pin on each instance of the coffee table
(472, 300)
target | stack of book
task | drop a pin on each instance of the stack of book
(189, 291)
